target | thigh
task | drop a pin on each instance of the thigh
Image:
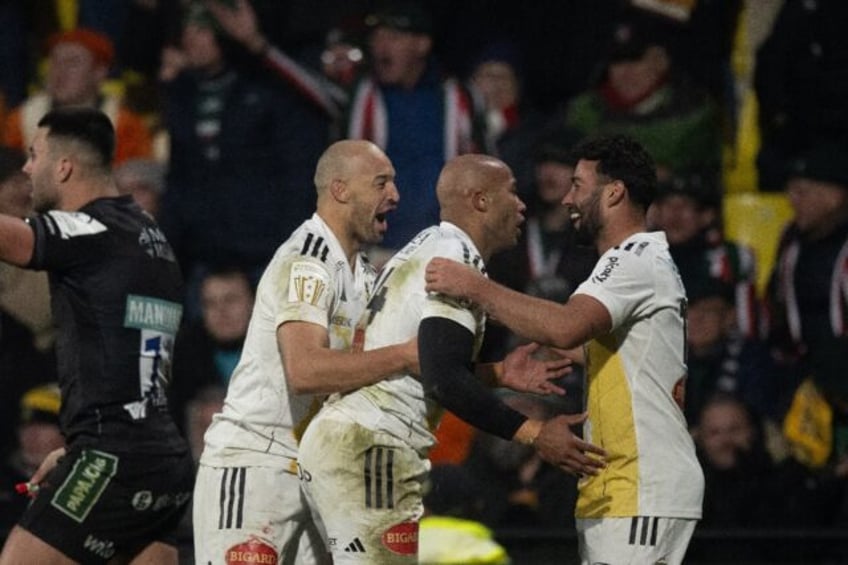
(252, 513)
(23, 548)
(634, 540)
(366, 488)
(95, 506)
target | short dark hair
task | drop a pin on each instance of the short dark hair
(86, 125)
(622, 158)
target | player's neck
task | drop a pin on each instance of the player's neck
(617, 232)
(82, 192)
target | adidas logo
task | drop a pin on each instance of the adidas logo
(355, 547)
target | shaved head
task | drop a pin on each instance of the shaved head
(461, 177)
(340, 160)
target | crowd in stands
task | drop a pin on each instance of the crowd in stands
(222, 108)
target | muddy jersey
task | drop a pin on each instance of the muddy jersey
(635, 384)
(310, 280)
(116, 294)
(397, 405)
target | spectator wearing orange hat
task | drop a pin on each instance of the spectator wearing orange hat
(78, 64)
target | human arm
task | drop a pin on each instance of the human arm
(239, 22)
(561, 325)
(17, 241)
(521, 371)
(445, 354)
(47, 465)
(312, 367)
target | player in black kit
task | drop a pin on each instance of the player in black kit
(119, 488)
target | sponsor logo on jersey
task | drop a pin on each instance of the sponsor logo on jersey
(142, 500)
(103, 549)
(307, 283)
(356, 546)
(147, 313)
(607, 270)
(75, 224)
(85, 484)
(402, 538)
(154, 243)
(252, 552)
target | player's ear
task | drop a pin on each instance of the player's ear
(480, 201)
(616, 192)
(340, 190)
(64, 169)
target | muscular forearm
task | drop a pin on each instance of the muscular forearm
(533, 318)
(324, 371)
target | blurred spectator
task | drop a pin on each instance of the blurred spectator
(203, 405)
(37, 435)
(547, 262)
(737, 467)
(79, 63)
(511, 123)
(145, 180)
(418, 117)
(642, 93)
(813, 481)
(343, 58)
(723, 360)
(207, 350)
(807, 292)
(801, 82)
(340, 60)
(688, 209)
(24, 294)
(22, 366)
(242, 156)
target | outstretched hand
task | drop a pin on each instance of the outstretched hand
(450, 277)
(525, 373)
(559, 446)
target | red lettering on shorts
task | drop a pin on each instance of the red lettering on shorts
(402, 538)
(252, 552)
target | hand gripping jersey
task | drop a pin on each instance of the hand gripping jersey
(635, 384)
(397, 405)
(308, 280)
(116, 294)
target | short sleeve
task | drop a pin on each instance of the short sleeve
(306, 291)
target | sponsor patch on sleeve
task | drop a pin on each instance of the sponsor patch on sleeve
(75, 224)
(308, 283)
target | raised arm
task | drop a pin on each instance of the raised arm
(560, 325)
(312, 367)
(239, 22)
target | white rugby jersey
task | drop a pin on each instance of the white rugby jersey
(635, 377)
(309, 280)
(397, 405)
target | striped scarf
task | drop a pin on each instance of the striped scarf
(369, 119)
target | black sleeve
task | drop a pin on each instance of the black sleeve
(444, 351)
